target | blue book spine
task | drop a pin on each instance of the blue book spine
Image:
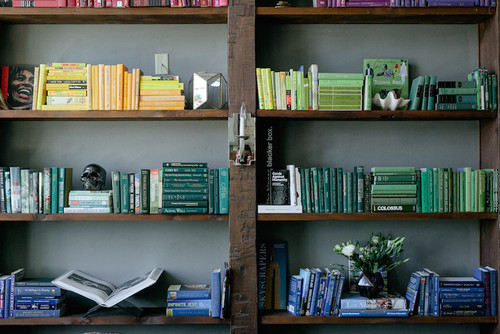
(37, 291)
(314, 299)
(484, 276)
(192, 294)
(494, 289)
(334, 278)
(36, 306)
(6, 299)
(306, 275)
(338, 294)
(329, 279)
(462, 313)
(373, 313)
(189, 303)
(14, 277)
(294, 294)
(459, 289)
(2, 295)
(188, 312)
(412, 291)
(37, 313)
(280, 256)
(321, 294)
(450, 295)
(459, 301)
(216, 293)
(223, 191)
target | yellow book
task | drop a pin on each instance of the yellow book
(89, 87)
(58, 100)
(120, 70)
(101, 86)
(137, 88)
(269, 95)
(113, 87)
(161, 104)
(125, 90)
(50, 76)
(107, 87)
(166, 92)
(66, 93)
(170, 77)
(133, 98)
(161, 85)
(66, 86)
(176, 98)
(161, 108)
(40, 99)
(65, 107)
(36, 75)
(66, 69)
(129, 90)
(260, 91)
(82, 65)
(95, 87)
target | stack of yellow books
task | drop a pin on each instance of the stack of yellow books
(161, 92)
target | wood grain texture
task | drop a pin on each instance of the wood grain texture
(23, 217)
(242, 249)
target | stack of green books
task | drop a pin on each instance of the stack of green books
(394, 189)
(90, 201)
(340, 91)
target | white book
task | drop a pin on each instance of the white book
(279, 209)
(88, 210)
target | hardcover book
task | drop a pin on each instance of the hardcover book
(388, 75)
(188, 291)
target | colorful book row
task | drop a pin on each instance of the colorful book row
(403, 3)
(116, 3)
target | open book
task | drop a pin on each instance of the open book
(103, 293)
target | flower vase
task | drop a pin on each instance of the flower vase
(369, 285)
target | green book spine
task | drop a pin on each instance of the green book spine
(303, 197)
(367, 93)
(360, 176)
(124, 193)
(293, 89)
(191, 185)
(345, 192)
(390, 169)
(481, 191)
(288, 86)
(195, 170)
(145, 191)
(425, 94)
(457, 91)
(473, 191)
(468, 185)
(354, 193)
(277, 90)
(223, 191)
(437, 194)
(367, 186)
(115, 186)
(183, 210)
(333, 189)
(321, 188)
(394, 208)
(350, 192)
(430, 176)
(25, 193)
(494, 90)
(455, 188)
(463, 187)
(380, 179)
(185, 164)
(210, 192)
(409, 188)
(340, 190)
(315, 189)
(424, 185)
(416, 91)
(270, 96)
(154, 191)
(341, 82)
(394, 201)
(419, 191)
(185, 180)
(342, 76)
(441, 189)
(327, 189)
(307, 179)
(431, 100)
(306, 88)
(216, 192)
(55, 189)
(300, 90)
(446, 190)
(184, 204)
(260, 89)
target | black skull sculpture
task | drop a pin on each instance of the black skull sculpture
(93, 177)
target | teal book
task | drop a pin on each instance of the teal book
(223, 191)
(494, 89)
(340, 190)
(431, 100)
(65, 181)
(327, 189)
(315, 189)
(308, 197)
(115, 186)
(456, 91)
(430, 175)
(321, 190)
(345, 192)
(333, 189)
(360, 189)
(424, 186)
(350, 193)
(186, 164)
(425, 95)
(416, 93)
(145, 190)
(15, 189)
(54, 200)
(8, 201)
(210, 192)
(185, 170)
(388, 75)
(183, 210)
(391, 169)
(124, 192)
(216, 192)
(437, 193)
(303, 197)
(456, 106)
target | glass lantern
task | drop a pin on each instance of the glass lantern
(209, 90)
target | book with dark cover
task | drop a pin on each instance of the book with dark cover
(267, 142)
(181, 291)
(294, 294)
(145, 190)
(452, 281)
(280, 187)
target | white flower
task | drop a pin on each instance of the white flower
(375, 239)
(337, 247)
(348, 250)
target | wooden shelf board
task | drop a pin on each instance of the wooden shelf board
(284, 318)
(13, 217)
(433, 15)
(115, 317)
(375, 216)
(103, 115)
(142, 15)
(380, 114)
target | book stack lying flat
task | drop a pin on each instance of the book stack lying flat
(394, 189)
(90, 201)
(189, 300)
(161, 92)
(385, 305)
(340, 91)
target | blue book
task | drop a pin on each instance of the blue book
(321, 294)
(338, 293)
(223, 190)
(315, 290)
(469, 282)
(3, 287)
(188, 312)
(373, 313)
(189, 303)
(38, 313)
(6, 298)
(181, 291)
(37, 291)
(458, 301)
(455, 313)
(461, 289)
(460, 295)
(216, 292)
(434, 292)
(412, 292)
(493, 289)
(280, 257)
(294, 294)
(354, 301)
(305, 273)
(38, 303)
(35, 282)
(14, 277)
(334, 278)
(483, 275)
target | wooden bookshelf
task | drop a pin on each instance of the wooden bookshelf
(19, 217)
(435, 15)
(269, 217)
(383, 115)
(285, 318)
(140, 15)
(114, 115)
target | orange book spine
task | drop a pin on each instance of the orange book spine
(129, 91)
(132, 83)
(119, 87)
(125, 90)
(95, 87)
(101, 86)
(161, 108)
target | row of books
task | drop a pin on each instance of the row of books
(201, 300)
(384, 189)
(315, 292)
(479, 92)
(24, 190)
(37, 298)
(403, 3)
(430, 294)
(384, 305)
(179, 187)
(115, 3)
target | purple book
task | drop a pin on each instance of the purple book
(448, 3)
(369, 3)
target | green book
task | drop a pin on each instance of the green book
(340, 190)
(394, 201)
(145, 190)
(184, 204)
(430, 176)
(367, 93)
(416, 93)
(473, 191)
(456, 91)
(393, 170)
(115, 186)
(300, 90)
(341, 82)
(437, 193)
(424, 186)
(307, 180)
(315, 189)
(360, 189)
(494, 89)
(293, 89)
(327, 189)
(216, 192)
(54, 190)
(343, 76)
(333, 190)
(223, 191)
(321, 190)
(441, 189)
(381, 179)
(455, 191)
(446, 190)
(388, 75)
(124, 193)
(408, 188)
(425, 94)
(183, 210)
(65, 181)
(210, 192)
(394, 208)
(468, 175)
(431, 99)
(345, 192)
(350, 193)
(303, 197)
(481, 191)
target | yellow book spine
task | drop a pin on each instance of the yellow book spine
(89, 87)
(82, 65)
(66, 69)
(107, 87)
(161, 108)
(40, 100)
(260, 91)
(164, 85)
(113, 87)
(160, 104)
(95, 87)
(175, 78)
(129, 90)
(67, 93)
(137, 88)
(125, 90)
(119, 87)
(65, 107)
(66, 86)
(36, 76)
(50, 76)
(177, 98)
(101, 86)
(133, 98)
(270, 98)
(167, 92)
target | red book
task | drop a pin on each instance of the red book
(120, 3)
(38, 3)
(71, 3)
(204, 3)
(4, 84)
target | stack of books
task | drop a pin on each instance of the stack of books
(90, 201)
(385, 305)
(161, 92)
(315, 292)
(34, 298)
(457, 95)
(394, 189)
(189, 300)
(458, 305)
(340, 91)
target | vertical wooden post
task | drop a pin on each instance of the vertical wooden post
(489, 150)
(242, 190)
